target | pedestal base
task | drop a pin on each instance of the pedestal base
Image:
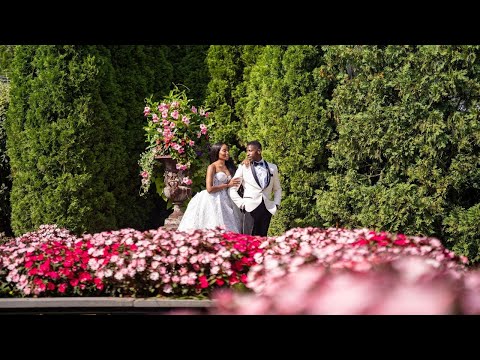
(173, 221)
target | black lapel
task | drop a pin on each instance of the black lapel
(268, 174)
(255, 175)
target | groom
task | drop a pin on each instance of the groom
(260, 181)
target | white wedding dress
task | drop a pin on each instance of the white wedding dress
(209, 210)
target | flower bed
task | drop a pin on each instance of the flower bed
(358, 249)
(53, 262)
(408, 285)
(304, 271)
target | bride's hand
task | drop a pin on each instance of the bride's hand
(234, 182)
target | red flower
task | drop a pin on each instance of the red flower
(233, 279)
(53, 275)
(62, 288)
(203, 281)
(133, 247)
(237, 265)
(360, 242)
(45, 267)
(74, 282)
(28, 264)
(220, 282)
(98, 283)
(84, 276)
(50, 286)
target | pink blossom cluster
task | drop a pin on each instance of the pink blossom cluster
(180, 124)
(174, 128)
(358, 249)
(163, 262)
(53, 262)
(49, 262)
(407, 285)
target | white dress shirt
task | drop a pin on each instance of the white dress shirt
(261, 171)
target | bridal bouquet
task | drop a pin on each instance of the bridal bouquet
(174, 128)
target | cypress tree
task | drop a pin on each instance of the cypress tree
(229, 68)
(140, 71)
(6, 56)
(5, 177)
(63, 140)
(190, 70)
(285, 109)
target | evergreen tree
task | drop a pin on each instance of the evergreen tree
(407, 155)
(140, 71)
(6, 56)
(64, 142)
(229, 68)
(5, 177)
(285, 109)
(190, 70)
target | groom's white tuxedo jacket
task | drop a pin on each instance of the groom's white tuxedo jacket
(253, 192)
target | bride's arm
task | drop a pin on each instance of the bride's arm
(209, 181)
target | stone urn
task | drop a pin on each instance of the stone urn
(174, 190)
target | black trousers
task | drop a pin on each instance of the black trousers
(261, 220)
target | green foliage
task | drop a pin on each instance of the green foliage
(5, 177)
(285, 110)
(229, 68)
(75, 135)
(63, 144)
(463, 229)
(6, 57)
(190, 69)
(407, 156)
(139, 70)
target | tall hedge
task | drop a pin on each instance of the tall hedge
(6, 57)
(190, 69)
(407, 155)
(140, 71)
(64, 141)
(285, 109)
(229, 69)
(5, 177)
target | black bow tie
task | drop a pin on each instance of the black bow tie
(258, 163)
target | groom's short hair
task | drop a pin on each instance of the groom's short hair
(255, 143)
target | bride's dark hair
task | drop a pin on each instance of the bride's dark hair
(215, 150)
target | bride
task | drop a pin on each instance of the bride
(213, 207)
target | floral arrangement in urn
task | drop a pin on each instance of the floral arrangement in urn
(175, 129)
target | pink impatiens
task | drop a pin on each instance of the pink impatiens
(304, 271)
(53, 262)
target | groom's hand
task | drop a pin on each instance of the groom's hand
(246, 162)
(234, 182)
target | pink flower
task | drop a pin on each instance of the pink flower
(187, 181)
